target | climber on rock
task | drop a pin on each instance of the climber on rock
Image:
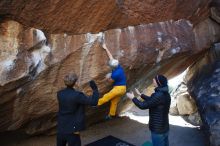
(71, 114)
(118, 79)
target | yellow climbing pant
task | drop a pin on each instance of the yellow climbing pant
(114, 95)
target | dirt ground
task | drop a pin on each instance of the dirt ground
(133, 128)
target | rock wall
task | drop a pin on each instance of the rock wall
(215, 10)
(203, 81)
(33, 64)
(38, 49)
(83, 16)
(183, 103)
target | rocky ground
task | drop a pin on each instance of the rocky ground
(133, 129)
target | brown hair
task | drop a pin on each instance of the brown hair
(70, 79)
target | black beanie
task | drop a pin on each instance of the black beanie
(161, 80)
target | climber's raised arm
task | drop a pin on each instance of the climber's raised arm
(118, 79)
(108, 52)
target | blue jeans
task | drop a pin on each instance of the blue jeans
(160, 139)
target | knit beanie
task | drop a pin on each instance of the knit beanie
(161, 80)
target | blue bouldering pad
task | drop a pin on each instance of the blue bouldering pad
(147, 143)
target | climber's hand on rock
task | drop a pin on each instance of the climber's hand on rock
(130, 95)
(137, 92)
(104, 46)
(93, 85)
(108, 76)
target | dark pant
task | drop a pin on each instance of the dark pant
(160, 139)
(70, 139)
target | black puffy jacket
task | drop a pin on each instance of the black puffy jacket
(71, 114)
(158, 104)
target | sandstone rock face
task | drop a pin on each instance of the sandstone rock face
(203, 37)
(33, 61)
(215, 10)
(194, 119)
(33, 64)
(184, 103)
(203, 84)
(32, 67)
(82, 16)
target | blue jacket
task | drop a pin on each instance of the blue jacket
(118, 76)
(71, 114)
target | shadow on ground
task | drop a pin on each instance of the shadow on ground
(124, 128)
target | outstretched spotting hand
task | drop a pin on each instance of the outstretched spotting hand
(130, 95)
(137, 92)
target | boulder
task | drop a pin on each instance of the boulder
(182, 103)
(33, 64)
(203, 83)
(50, 39)
(186, 104)
(194, 119)
(215, 10)
(83, 16)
